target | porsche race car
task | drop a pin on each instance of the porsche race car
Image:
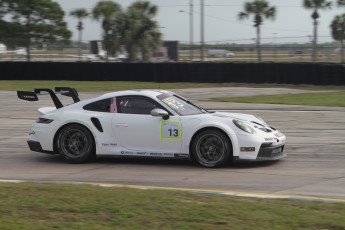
(148, 123)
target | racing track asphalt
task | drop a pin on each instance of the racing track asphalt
(314, 166)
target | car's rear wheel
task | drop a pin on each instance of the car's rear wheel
(211, 148)
(75, 143)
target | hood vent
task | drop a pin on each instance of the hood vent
(263, 127)
(257, 123)
(265, 130)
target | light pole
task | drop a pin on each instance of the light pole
(80, 28)
(202, 24)
(312, 46)
(191, 29)
(254, 45)
(274, 46)
(191, 32)
(315, 16)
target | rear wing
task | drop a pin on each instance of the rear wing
(66, 91)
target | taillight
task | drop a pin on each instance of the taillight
(44, 120)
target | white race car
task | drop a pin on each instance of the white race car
(149, 123)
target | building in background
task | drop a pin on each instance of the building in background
(3, 48)
(172, 48)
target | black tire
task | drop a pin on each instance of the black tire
(75, 144)
(211, 148)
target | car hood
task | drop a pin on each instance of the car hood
(239, 116)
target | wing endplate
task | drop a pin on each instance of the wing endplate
(27, 95)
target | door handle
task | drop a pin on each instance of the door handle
(121, 125)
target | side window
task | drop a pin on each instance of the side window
(136, 105)
(99, 106)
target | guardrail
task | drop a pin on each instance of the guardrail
(280, 73)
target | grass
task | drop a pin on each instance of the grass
(99, 85)
(319, 98)
(52, 206)
(314, 99)
(122, 85)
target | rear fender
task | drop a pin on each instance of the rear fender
(44, 110)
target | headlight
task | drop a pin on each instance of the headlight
(243, 126)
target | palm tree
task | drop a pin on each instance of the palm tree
(150, 41)
(114, 38)
(338, 32)
(341, 2)
(260, 10)
(80, 14)
(316, 5)
(106, 11)
(141, 31)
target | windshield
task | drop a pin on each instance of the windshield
(180, 105)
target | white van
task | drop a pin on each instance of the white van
(220, 53)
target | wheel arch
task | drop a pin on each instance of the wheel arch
(73, 123)
(210, 128)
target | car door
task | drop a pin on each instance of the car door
(136, 129)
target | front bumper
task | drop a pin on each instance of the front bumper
(36, 147)
(267, 152)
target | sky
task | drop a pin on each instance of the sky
(292, 24)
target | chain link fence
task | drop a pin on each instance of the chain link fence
(270, 53)
(61, 52)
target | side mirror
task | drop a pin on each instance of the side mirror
(160, 113)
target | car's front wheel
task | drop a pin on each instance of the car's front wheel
(211, 148)
(75, 143)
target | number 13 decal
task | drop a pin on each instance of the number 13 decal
(173, 132)
(170, 130)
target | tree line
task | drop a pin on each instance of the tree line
(28, 22)
(260, 10)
